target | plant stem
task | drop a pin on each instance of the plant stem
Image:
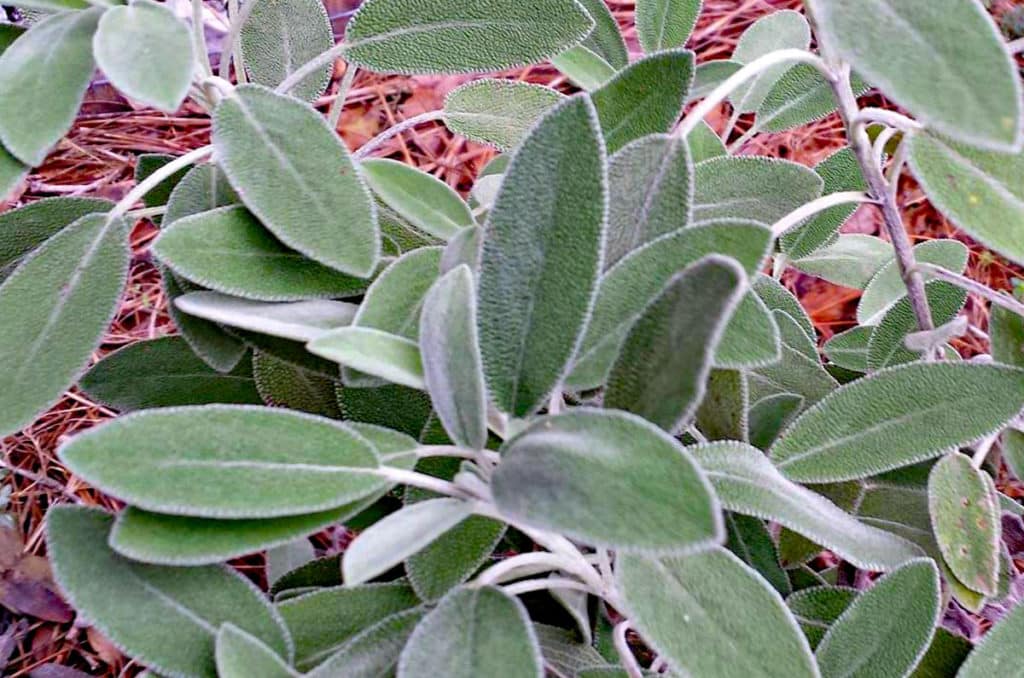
(751, 70)
(511, 568)
(804, 212)
(199, 39)
(890, 118)
(233, 53)
(878, 187)
(545, 584)
(311, 66)
(423, 481)
(397, 129)
(334, 113)
(963, 282)
(625, 654)
(155, 179)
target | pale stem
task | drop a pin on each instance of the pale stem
(424, 451)
(497, 421)
(804, 212)
(622, 647)
(155, 179)
(376, 142)
(344, 87)
(881, 141)
(1016, 46)
(879, 188)
(731, 125)
(233, 53)
(576, 562)
(737, 145)
(899, 161)
(890, 118)
(199, 38)
(963, 282)
(311, 66)
(423, 481)
(511, 568)
(546, 584)
(146, 212)
(751, 70)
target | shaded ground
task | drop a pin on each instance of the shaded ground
(98, 159)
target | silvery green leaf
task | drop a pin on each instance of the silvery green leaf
(638, 278)
(849, 349)
(564, 654)
(749, 539)
(166, 618)
(25, 229)
(705, 144)
(297, 320)
(818, 607)
(779, 298)
(452, 366)
(802, 95)
(980, 191)
(841, 172)
(795, 549)
(710, 75)
(615, 464)
(887, 286)
(665, 24)
(644, 98)
(145, 166)
(453, 557)
(473, 632)
(394, 300)
(943, 60)
(380, 354)
(723, 411)
(887, 629)
(462, 36)
(243, 655)
(63, 296)
(211, 461)
(373, 652)
(228, 250)
(585, 68)
(279, 36)
(751, 339)
(146, 52)
(606, 38)
(58, 51)
(208, 340)
(751, 187)
(888, 345)
(897, 417)
(464, 248)
(799, 371)
(651, 193)
(784, 29)
(396, 407)
(945, 655)
(281, 384)
(1006, 330)
(770, 415)
(203, 188)
(322, 622)
(746, 482)
(964, 509)
(164, 372)
(850, 261)
(664, 363)
(998, 651)
(745, 628)
(426, 202)
(541, 257)
(295, 174)
(12, 172)
(292, 352)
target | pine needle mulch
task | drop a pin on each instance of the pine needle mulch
(98, 159)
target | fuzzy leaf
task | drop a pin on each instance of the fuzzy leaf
(227, 249)
(1007, 332)
(651, 193)
(978, 190)
(295, 174)
(750, 540)
(12, 172)
(784, 29)
(585, 68)
(279, 36)
(888, 345)
(25, 229)
(665, 24)
(322, 622)
(146, 51)
(851, 261)
(799, 371)
(393, 302)
(818, 607)
(997, 654)
(606, 38)
(664, 363)
(298, 320)
(58, 51)
(723, 411)
(63, 297)
(209, 341)
(426, 202)
(462, 36)
(964, 509)
(281, 384)
(497, 112)
(710, 75)
(751, 339)
(166, 618)
(242, 655)
(800, 96)
(745, 482)
(373, 652)
(705, 144)
(452, 366)
(778, 298)
(615, 464)
(887, 629)
(473, 632)
(770, 415)
(713, 601)
(645, 98)
(203, 188)
(164, 372)
(756, 188)
(945, 655)
(897, 417)
(213, 462)
(887, 286)
(397, 407)
(380, 354)
(542, 257)
(145, 166)
(943, 60)
(399, 536)
(849, 349)
(453, 557)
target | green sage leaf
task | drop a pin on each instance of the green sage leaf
(298, 320)
(818, 607)
(281, 384)
(279, 36)
(802, 95)
(585, 68)
(373, 652)
(887, 286)
(380, 354)
(203, 188)
(750, 187)
(997, 652)
(785, 29)
(606, 38)
(888, 345)
(750, 540)
(497, 112)
(849, 349)
(241, 655)
(426, 202)
(665, 24)
(851, 261)
(25, 229)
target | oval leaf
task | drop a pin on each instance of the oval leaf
(380, 354)
(887, 287)
(756, 188)
(373, 652)
(279, 36)
(242, 655)
(25, 229)
(497, 112)
(298, 321)
(785, 29)
(665, 24)
(426, 202)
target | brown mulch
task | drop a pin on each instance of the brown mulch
(98, 159)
